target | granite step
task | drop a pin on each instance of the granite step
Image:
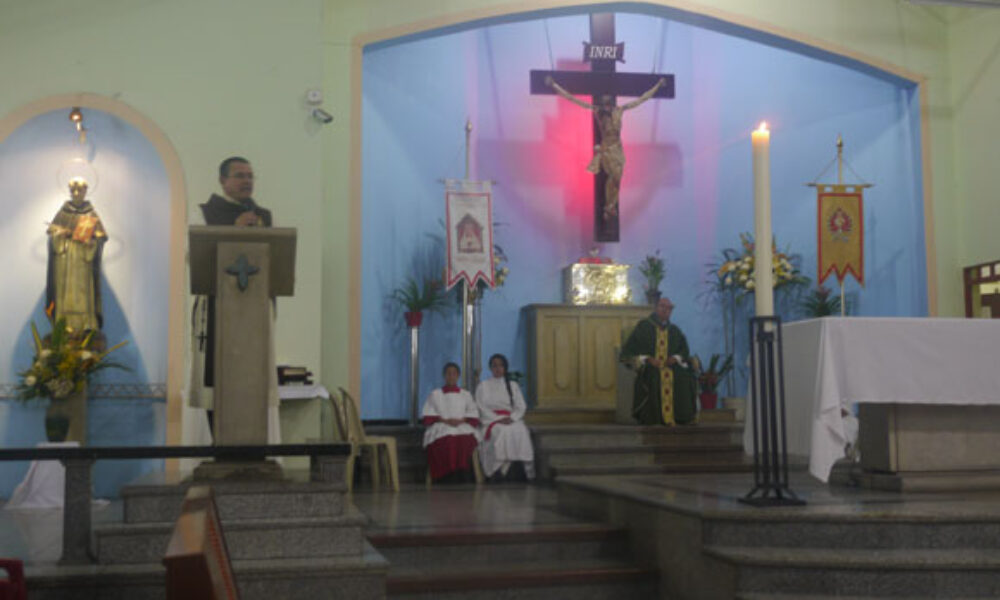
(158, 503)
(593, 579)
(846, 531)
(255, 539)
(569, 436)
(359, 577)
(706, 454)
(571, 471)
(939, 573)
(474, 547)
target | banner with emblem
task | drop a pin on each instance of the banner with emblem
(840, 232)
(469, 222)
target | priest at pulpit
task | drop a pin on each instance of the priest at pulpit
(236, 207)
(665, 383)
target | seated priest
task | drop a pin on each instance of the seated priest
(451, 418)
(505, 452)
(665, 383)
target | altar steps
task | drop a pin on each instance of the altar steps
(285, 539)
(844, 543)
(874, 558)
(873, 573)
(584, 560)
(597, 449)
(569, 450)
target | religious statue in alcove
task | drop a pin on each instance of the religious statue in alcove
(76, 242)
(609, 156)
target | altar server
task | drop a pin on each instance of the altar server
(452, 420)
(505, 452)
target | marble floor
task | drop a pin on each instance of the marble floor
(719, 494)
(506, 507)
(35, 535)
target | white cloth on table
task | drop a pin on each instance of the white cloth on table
(503, 443)
(44, 484)
(831, 364)
(453, 405)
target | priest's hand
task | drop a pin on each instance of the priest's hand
(653, 362)
(671, 361)
(247, 219)
(454, 422)
(505, 421)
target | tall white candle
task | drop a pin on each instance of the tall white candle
(763, 276)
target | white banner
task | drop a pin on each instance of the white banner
(469, 221)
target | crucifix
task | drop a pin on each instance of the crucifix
(604, 84)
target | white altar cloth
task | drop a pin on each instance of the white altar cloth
(832, 364)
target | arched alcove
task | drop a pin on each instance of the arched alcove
(419, 45)
(141, 197)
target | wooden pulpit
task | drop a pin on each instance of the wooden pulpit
(243, 267)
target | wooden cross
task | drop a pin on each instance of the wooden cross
(602, 80)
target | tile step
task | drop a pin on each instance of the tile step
(246, 540)
(525, 575)
(477, 548)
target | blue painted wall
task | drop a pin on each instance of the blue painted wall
(687, 188)
(132, 199)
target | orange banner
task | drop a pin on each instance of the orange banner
(840, 233)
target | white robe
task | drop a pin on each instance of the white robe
(457, 405)
(506, 443)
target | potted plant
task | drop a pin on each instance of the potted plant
(60, 370)
(653, 269)
(709, 378)
(416, 299)
(821, 302)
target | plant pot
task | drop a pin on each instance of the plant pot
(653, 297)
(414, 318)
(709, 400)
(57, 420)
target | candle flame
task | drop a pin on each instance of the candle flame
(763, 126)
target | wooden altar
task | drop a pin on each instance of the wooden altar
(573, 359)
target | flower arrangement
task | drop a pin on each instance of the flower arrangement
(709, 378)
(500, 268)
(500, 273)
(653, 269)
(737, 268)
(63, 363)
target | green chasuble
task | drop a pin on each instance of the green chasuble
(662, 395)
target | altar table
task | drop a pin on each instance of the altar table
(949, 368)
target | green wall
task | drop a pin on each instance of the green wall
(974, 43)
(219, 78)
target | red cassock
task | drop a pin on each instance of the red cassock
(450, 447)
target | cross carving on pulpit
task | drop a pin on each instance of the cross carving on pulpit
(242, 270)
(604, 84)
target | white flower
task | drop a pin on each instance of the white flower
(86, 355)
(743, 277)
(729, 280)
(45, 353)
(750, 284)
(30, 380)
